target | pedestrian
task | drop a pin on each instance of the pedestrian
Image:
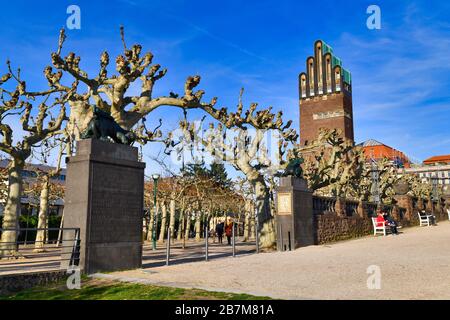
(219, 231)
(229, 231)
(383, 219)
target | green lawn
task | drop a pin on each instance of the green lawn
(94, 289)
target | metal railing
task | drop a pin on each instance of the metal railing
(207, 247)
(39, 255)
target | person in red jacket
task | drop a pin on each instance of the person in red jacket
(229, 231)
(382, 222)
(380, 219)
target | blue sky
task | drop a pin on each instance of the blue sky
(400, 73)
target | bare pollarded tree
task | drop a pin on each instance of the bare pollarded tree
(37, 123)
(109, 91)
(363, 183)
(388, 177)
(335, 167)
(328, 161)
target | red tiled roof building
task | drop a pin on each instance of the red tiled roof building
(437, 160)
(375, 150)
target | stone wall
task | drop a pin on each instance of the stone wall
(16, 282)
(331, 228)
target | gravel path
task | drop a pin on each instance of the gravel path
(413, 265)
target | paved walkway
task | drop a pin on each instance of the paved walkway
(193, 252)
(30, 261)
(413, 265)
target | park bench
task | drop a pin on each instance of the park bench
(379, 229)
(424, 219)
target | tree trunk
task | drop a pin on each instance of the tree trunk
(188, 226)
(246, 225)
(212, 226)
(252, 225)
(266, 222)
(162, 232)
(181, 225)
(144, 229)
(212, 223)
(172, 219)
(198, 225)
(42, 218)
(12, 208)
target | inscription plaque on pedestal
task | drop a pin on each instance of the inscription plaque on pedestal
(284, 204)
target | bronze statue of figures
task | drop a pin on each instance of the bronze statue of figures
(294, 168)
(102, 126)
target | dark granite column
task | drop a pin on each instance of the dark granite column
(104, 198)
(295, 223)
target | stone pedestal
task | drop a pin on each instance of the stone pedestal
(104, 198)
(295, 223)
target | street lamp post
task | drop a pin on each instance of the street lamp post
(155, 186)
(375, 173)
(434, 195)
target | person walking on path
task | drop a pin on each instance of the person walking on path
(229, 231)
(219, 231)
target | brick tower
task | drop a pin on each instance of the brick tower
(325, 92)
